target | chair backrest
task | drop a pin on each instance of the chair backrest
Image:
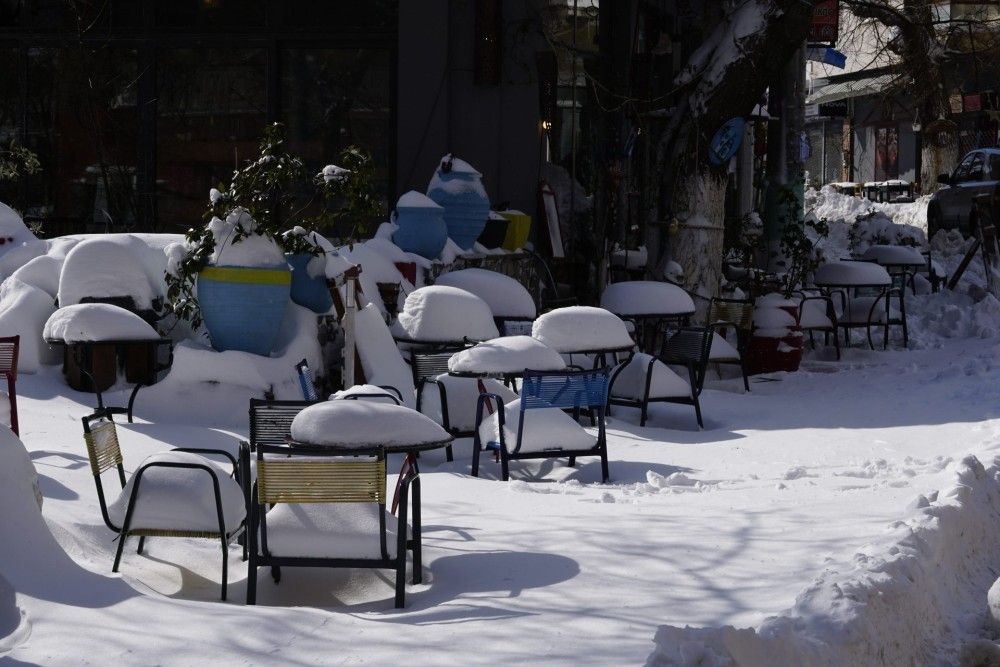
(320, 475)
(101, 437)
(271, 421)
(8, 355)
(737, 311)
(687, 345)
(565, 389)
(307, 382)
(430, 363)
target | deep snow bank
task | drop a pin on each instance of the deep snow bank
(913, 597)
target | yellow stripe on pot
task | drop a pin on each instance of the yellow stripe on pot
(236, 274)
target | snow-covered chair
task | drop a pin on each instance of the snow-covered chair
(735, 315)
(181, 492)
(323, 507)
(644, 379)
(535, 425)
(817, 314)
(307, 381)
(690, 347)
(9, 348)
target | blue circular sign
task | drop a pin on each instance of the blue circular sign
(726, 141)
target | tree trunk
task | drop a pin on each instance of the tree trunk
(700, 200)
(936, 159)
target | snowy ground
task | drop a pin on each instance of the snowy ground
(808, 477)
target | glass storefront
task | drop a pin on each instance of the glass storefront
(137, 108)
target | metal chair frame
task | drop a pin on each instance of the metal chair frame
(737, 314)
(313, 491)
(831, 314)
(426, 364)
(9, 351)
(575, 390)
(111, 457)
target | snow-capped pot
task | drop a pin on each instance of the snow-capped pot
(776, 342)
(459, 189)
(422, 228)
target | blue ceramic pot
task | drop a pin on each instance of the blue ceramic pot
(307, 291)
(243, 307)
(459, 189)
(422, 229)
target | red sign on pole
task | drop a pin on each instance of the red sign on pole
(825, 22)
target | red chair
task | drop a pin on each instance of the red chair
(8, 367)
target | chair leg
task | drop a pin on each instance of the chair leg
(225, 566)
(276, 573)
(605, 474)
(504, 465)
(572, 462)
(475, 456)
(118, 553)
(401, 580)
(418, 547)
(743, 369)
(449, 455)
(142, 543)
(697, 412)
(252, 564)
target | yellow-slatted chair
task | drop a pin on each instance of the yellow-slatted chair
(323, 507)
(176, 493)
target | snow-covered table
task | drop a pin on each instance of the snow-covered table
(649, 305)
(362, 425)
(443, 315)
(846, 278)
(91, 329)
(584, 330)
(505, 358)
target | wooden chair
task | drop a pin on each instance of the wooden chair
(9, 348)
(160, 499)
(323, 507)
(544, 396)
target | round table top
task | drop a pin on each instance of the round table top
(646, 297)
(361, 424)
(390, 448)
(509, 356)
(852, 274)
(894, 255)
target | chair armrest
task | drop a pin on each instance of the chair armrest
(830, 310)
(204, 450)
(481, 401)
(389, 387)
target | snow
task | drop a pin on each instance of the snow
(439, 313)
(898, 255)
(376, 258)
(851, 273)
(364, 423)
(414, 199)
(332, 172)
(631, 382)
(581, 329)
(24, 310)
(630, 259)
(41, 272)
(367, 392)
(505, 296)
(511, 354)
(180, 498)
(324, 530)
(830, 516)
(13, 230)
(646, 297)
(545, 429)
(104, 268)
(453, 186)
(85, 322)
(381, 361)
(462, 395)
(254, 250)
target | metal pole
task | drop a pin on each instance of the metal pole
(350, 309)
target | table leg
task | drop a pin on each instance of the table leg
(417, 539)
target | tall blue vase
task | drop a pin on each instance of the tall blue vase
(307, 291)
(422, 229)
(459, 189)
(243, 307)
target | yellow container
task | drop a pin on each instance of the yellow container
(517, 230)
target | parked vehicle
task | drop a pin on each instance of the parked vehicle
(953, 207)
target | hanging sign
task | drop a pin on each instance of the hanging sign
(825, 22)
(726, 141)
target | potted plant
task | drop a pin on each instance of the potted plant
(232, 275)
(776, 343)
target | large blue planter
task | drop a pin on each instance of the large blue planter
(243, 307)
(307, 291)
(422, 229)
(459, 189)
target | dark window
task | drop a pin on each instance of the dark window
(209, 13)
(962, 171)
(886, 153)
(976, 169)
(339, 14)
(75, 16)
(994, 167)
(81, 113)
(212, 110)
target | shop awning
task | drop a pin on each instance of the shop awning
(841, 90)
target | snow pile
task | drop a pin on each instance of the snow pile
(462, 395)
(17, 243)
(377, 258)
(18, 256)
(364, 423)
(95, 322)
(381, 361)
(772, 318)
(894, 254)
(544, 429)
(505, 296)
(511, 354)
(909, 598)
(105, 268)
(851, 274)
(664, 383)
(646, 297)
(581, 329)
(253, 250)
(951, 315)
(630, 259)
(439, 313)
(456, 186)
(24, 310)
(41, 272)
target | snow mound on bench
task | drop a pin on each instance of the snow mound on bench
(911, 598)
(96, 321)
(105, 268)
